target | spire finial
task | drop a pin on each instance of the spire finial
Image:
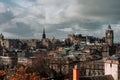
(109, 26)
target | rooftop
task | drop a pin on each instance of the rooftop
(104, 77)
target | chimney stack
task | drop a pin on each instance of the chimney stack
(75, 73)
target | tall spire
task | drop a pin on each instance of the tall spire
(43, 35)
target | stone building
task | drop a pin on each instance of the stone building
(104, 46)
(112, 67)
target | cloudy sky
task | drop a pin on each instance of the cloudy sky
(27, 18)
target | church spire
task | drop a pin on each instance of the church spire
(109, 26)
(43, 35)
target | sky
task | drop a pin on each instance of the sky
(27, 18)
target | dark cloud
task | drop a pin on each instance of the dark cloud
(20, 30)
(78, 16)
(107, 10)
(5, 17)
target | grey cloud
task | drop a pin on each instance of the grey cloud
(83, 16)
(104, 9)
(5, 17)
(21, 30)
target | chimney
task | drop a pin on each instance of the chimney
(75, 73)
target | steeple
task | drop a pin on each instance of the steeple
(109, 26)
(43, 35)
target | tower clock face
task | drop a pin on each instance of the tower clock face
(108, 34)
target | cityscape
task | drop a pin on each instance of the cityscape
(59, 40)
(78, 56)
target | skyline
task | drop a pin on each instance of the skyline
(27, 18)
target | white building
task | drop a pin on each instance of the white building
(112, 68)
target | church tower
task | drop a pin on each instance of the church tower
(43, 35)
(109, 36)
(1, 39)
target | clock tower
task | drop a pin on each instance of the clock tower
(109, 36)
